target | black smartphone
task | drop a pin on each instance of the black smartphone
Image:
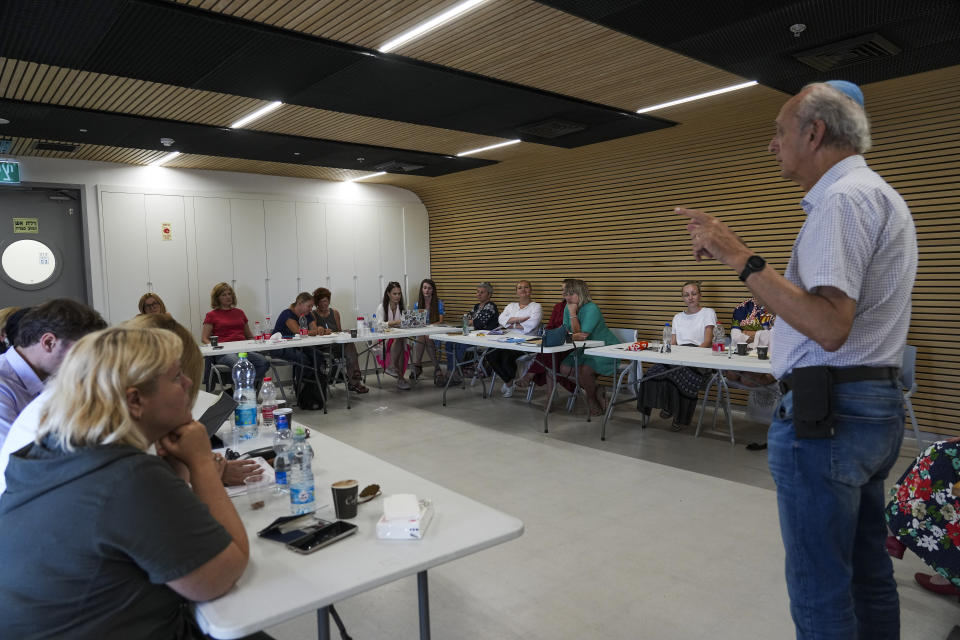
(323, 537)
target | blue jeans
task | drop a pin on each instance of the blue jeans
(830, 498)
(258, 361)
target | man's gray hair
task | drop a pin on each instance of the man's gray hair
(846, 122)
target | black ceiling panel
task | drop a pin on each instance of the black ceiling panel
(753, 39)
(31, 120)
(179, 45)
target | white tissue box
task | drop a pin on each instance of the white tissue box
(411, 528)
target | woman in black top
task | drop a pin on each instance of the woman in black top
(484, 317)
(328, 321)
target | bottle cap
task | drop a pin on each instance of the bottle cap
(242, 354)
(267, 379)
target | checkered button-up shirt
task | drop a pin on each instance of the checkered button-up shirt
(860, 238)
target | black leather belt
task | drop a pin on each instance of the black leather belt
(841, 375)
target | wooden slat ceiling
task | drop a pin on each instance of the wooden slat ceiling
(513, 40)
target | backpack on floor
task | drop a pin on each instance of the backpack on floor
(309, 395)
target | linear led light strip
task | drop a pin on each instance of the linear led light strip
(699, 96)
(493, 146)
(164, 159)
(429, 25)
(369, 175)
(259, 113)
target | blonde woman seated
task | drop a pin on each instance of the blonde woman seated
(132, 541)
(151, 303)
(524, 316)
(229, 324)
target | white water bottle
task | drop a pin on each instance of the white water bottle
(268, 401)
(361, 327)
(282, 445)
(718, 339)
(304, 326)
(267, 329)
(667, 335)
(245, 414)
(300, 476)
(257, 331)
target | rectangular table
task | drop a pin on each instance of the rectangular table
(686, 357)
(279, 584)
(484, 341)
(340, 338)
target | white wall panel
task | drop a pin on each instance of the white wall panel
(280, 219)
(249, 258)
(167, 259)
(391, 250)
(312, 246)
(214, 247)
(416, 246)
(340, 262)
(125, 268)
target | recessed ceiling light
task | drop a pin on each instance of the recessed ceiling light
(430, 24)
(259, 113)
(83, 130)
(369, 175)
(164, 159)
(4, 121)
(493, 146)
(699, 96)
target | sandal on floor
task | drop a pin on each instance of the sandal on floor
(357, 387)
(416, 371)
(439, 379)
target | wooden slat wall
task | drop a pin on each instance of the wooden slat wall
(604, 213)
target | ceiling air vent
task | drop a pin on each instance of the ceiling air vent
(551, 128)
(55, 146)
(397, 167)
(847, 52)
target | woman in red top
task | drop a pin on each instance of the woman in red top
(229, 324)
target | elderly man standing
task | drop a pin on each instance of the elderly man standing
(843, 310)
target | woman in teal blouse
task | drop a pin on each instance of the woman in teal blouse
(583, 319)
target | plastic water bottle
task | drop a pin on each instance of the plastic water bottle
(667, 334)
(373, 323)
(300, 475)
(304, 326)
(267, 328)
(244, 392)
(257, 331)
(361, 327)
(718, 339)
(283, 446)
(465, 326)
(268, 401)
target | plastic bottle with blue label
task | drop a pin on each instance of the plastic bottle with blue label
(667, 335)
(300, 475)
(283, 446)
(245, 394)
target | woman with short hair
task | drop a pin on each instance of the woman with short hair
(141, 541)
(151, 303)
(524, 316)
(229, 324)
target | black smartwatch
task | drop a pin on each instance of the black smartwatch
(754, 263)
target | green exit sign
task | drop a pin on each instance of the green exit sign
(10, 171)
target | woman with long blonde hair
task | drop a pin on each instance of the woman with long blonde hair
(132, 541)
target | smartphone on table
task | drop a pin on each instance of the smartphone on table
(322, 537)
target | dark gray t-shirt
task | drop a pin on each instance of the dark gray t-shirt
(88, 540)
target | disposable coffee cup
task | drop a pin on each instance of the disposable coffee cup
(345, 499)
(353, 333)
(762, 353)
(258, 491)
(213, 341)
(741, 348)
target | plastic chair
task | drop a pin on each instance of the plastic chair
(908, 384)
(624, 335)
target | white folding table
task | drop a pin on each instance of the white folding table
(686, 357)
(279, 584)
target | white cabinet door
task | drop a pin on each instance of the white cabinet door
(391, 251)
(167, 255)
(312, 246)
(249, 258)
(365, 227)
(340, 256)
(214, 245)
(124, 252)
(416, 245)
(282, 261)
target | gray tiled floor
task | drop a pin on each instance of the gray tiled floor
(651, 534)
